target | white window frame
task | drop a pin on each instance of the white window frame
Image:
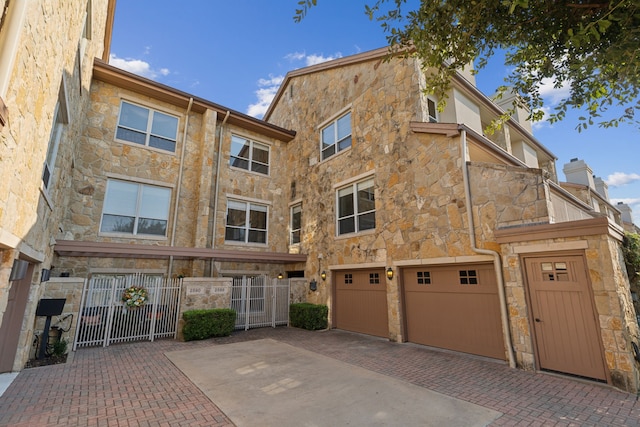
(148, 131)
(246, 227)
(252, 164)
(60, 119)
(358, 212)
(338, 141)
(295, 231)
(138, 208)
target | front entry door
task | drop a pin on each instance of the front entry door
(11, 322)
(564, 318)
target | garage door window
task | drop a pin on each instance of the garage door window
(424, 277)
(374, 278)
(468, 277)
(348, 279)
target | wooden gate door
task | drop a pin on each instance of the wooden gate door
(564, 318)
(11, 323)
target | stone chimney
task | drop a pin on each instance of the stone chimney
(626, 213)
(578, 172)
(601, 187)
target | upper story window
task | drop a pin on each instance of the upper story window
(148, 127)
(432, 110)
(246, 222)
(60, 119)
(336, 136)
(296, 223)
(356, 207)
(137, 209)
(249, 155)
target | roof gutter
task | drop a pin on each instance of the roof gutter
(497, 264)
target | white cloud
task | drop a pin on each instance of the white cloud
(312, 59)
(552, 94)
(265, 94)
(319, 59)
(269, 87)
(296, 56)
(618, 179)
(137, 66)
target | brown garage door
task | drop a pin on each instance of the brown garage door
(361, 302)
(454, 307)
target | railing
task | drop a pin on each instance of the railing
(105, 319)
(259, 302)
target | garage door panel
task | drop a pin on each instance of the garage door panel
(361, 302)
(452, 311)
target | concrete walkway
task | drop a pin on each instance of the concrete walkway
(138, 385)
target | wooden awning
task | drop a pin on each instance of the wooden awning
(76, 248)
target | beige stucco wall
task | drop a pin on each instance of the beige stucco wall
(47, 54)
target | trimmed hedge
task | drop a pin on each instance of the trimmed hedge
(203, 324)
(308, 316)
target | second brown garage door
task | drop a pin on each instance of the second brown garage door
(454, 307)
(361, 302)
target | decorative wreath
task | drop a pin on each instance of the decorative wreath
(134, 296)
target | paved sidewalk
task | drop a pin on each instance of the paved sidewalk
(136, 385)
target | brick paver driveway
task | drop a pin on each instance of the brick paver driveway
(136, 385)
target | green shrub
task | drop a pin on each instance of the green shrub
(202, 324)
(308, 316)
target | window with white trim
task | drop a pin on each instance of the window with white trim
(356, 207)
(296, 223)
(336, 136)
(249, 155)
(147, 127)
(432, 110)
(60, 119)
(137, 209)
(246, 222)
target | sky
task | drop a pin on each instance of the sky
(236, 53)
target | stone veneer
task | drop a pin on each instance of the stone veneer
(30, 216)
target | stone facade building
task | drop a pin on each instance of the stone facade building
(46, 63)
(486, 252)
(408, 222)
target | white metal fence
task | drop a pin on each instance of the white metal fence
(104, 318)
(260, 301)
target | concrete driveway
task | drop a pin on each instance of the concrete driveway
(282, 385)
(137, 384)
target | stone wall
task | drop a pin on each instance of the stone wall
(48, 58)
(612, 301)
(69, 288)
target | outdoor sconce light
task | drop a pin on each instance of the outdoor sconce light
(46, 274)
(313, 285)
(323, 275)
(280, 276)
(389, 273)
(18, 270)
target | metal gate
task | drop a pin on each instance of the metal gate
(260, 301)
(104, 318)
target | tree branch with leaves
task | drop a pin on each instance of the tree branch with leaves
(591, 47)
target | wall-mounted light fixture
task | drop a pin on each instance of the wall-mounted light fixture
(389, 273)
(323, 275)
(280, 275)
(45, 275)
(19, 270)
(313, 285)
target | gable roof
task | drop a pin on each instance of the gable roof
(126, 80)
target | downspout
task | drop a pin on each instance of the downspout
(175, 208)
(497, 264)
(215, 196)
